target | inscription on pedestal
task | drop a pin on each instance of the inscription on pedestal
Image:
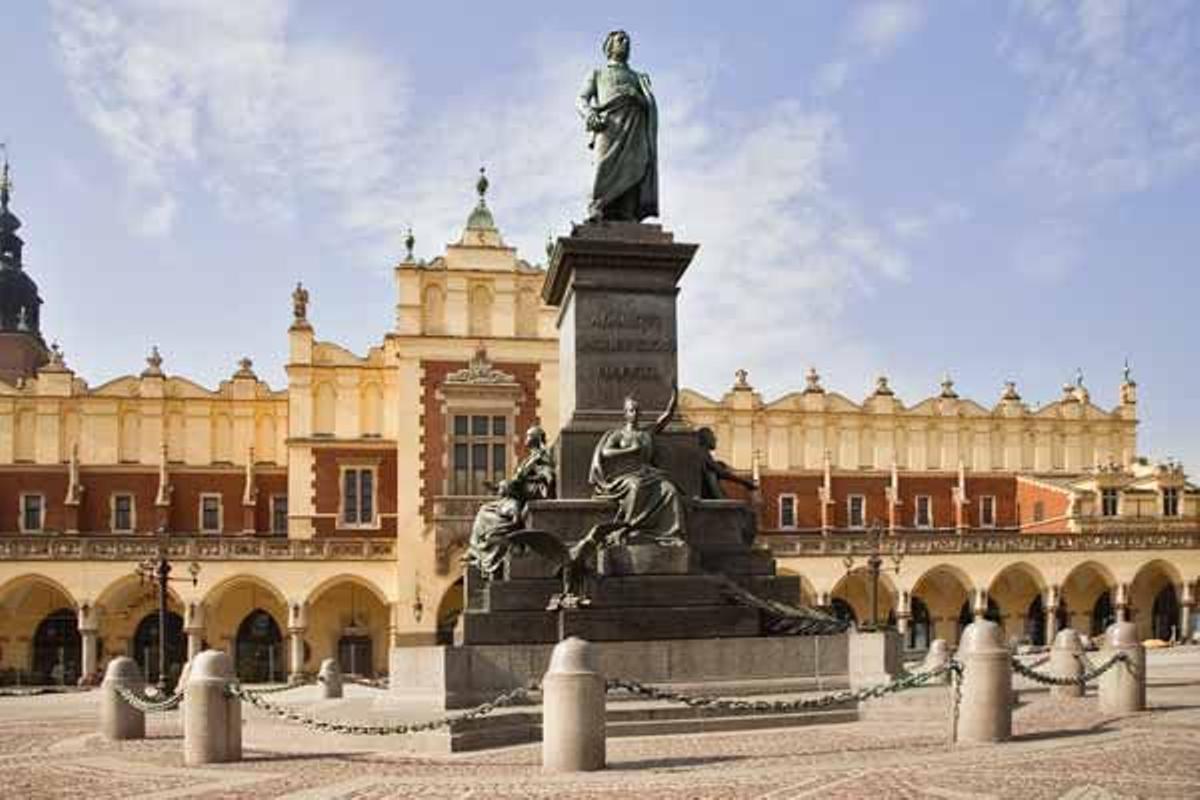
(624, 345)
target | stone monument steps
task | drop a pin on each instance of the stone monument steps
(627, 718)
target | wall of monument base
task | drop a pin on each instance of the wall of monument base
(467, 675)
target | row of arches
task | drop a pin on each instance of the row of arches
(370, 409)
(47, 637)
(944, 600)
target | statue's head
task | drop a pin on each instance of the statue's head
(616, 46)
(535, 437)
(708, 439)
(632, 410)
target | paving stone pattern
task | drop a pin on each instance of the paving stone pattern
(1063, 749)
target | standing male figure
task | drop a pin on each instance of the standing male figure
(618, 109)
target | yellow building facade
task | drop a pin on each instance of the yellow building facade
(326, 518)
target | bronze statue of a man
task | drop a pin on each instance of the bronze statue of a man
(618, 109)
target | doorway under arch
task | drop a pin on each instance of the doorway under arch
(920, 625)
(1103, 614)
(57, 649)
(1164, 615)
(258, 649)
(145, 646)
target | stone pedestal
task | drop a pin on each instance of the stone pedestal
(330, 678)
(615, 285)
(985, 712)
(573, 710)
(874, 658)
(118, 719)
(644, 559)
(212, 723)
(1123, 688)
(1065, 663)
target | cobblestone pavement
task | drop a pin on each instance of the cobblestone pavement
(1062, 749)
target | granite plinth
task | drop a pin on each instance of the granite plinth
(454, 676)
(644, 559)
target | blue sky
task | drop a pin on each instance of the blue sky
(1000, 190)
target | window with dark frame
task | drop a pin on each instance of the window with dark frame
(787, 511)
(1039, 511)
(478, 453)
(33, 507)
(210, 513)
(1170, 502)
(358, 496)
(924, 511)
(987, 511)
(279, 513)
(857, 509)
(1109, 502)
(122, 519)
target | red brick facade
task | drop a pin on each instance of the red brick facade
(50, 482)
(433, 420)
(1054, 504)
(327, 488)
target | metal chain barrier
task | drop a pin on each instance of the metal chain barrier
(284, 688)
(1054, 680)
(376, 683)
(149, 705)
(332, 726)
(785, 706)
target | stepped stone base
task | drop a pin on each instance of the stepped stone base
(461, 676)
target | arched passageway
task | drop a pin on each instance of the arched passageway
(943, 590)
(855, 591)
(1164, 615)
(57, 649)
(348, 620)
(449, 610)
(145, 646)
(258, 652)
(1087, 594)
(920, 626)
(1153, 600)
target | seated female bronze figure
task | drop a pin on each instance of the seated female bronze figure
(650, 505)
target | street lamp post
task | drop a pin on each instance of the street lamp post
(876, 552)
(157, 570)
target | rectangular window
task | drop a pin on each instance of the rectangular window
(122, 513)
(924, 511)
(856, 505)
(478, 453)
(987, 511)
(787, 511)
(358, 496)
(1109, 501)
(210, 513)
(279, 517)
(1170, 502)
(1039, 511)
(33, 512)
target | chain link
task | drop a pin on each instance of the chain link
(333, 726)
(149, 705)
(902, 683)
(376, 683)
(1056, 680)
(285, 687)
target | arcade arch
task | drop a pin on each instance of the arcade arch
(348, 619)
(944, 589)
(39, 635)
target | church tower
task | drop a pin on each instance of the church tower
(22, 349)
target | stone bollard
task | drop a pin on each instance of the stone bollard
(212, 729)
(1123, 687)
(118, 719)
(573, 712)
(937, 657)
(985, 713)
(330, 678)
(1064, 663)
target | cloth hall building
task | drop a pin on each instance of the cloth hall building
(327, 517)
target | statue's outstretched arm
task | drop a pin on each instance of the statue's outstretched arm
(662, 422)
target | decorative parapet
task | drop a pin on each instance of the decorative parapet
(196, 548)
(815, 545)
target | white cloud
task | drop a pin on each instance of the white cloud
(874, 30)
(1113, 101)
(913, 226)
(222, 89)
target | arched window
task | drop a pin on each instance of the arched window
(258, 651)
(527, 312)
(480, 318)
(370, 412)
(323, 414)
(433, 310)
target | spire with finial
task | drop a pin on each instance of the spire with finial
(1128, 387)
(481, 217)
(5, 180)
(153, 364)
(948, 387)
